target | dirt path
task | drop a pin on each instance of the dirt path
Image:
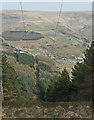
(37, 84)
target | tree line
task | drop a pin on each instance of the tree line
(63, 88)
(80, 87)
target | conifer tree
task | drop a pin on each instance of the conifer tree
(82, 76)
(60, 89)
(9, 80)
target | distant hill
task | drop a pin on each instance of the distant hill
(77, 22)
(74, 33)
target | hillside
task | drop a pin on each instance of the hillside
(40, 109)
(45, 22)
(72, 37)
(38, 65)
(24, 67)
(39, 20)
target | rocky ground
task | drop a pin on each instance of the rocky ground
(81, 111)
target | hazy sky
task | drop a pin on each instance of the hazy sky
(48, 6)
(48, 0)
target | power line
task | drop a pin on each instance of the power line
(24, 25)
(58, 20)
(22, 15)
(23, 20)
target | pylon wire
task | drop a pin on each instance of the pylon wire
(23, 20)
(58, 19)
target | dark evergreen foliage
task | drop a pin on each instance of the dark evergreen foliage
(24, 59)
(60, 89)
(9, 81)
(82, 76)
(21, 35)
(44, 67)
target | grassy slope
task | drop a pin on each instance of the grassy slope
(45, 23)
(71, 23)
(26, 75)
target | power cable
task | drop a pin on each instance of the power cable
(58, 19)
(23, 20)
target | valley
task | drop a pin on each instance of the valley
(42, 61)
(72, 37)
